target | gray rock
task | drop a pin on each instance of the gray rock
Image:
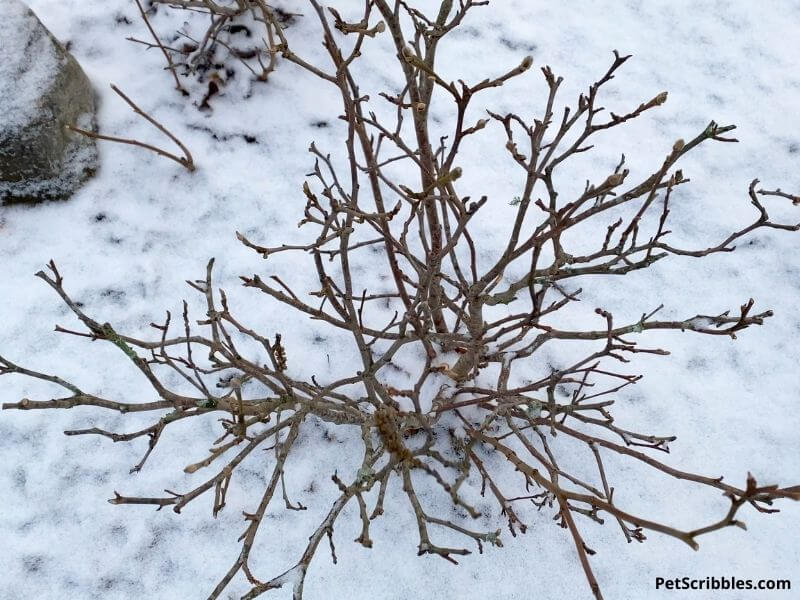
(42, 90)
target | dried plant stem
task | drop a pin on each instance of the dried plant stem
(170, 64)
(185, 160)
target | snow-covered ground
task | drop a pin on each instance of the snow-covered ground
(131, 237)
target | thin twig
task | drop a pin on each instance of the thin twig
(185, 161)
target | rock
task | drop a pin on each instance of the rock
(42, 89)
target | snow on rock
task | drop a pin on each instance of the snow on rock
(42, 89)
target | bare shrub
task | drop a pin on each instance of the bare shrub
(474, 326)
(241, 37)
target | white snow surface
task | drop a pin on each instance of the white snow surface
(129, 239)
(28, 64)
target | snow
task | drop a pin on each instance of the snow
(131, 237)
(28, 64)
